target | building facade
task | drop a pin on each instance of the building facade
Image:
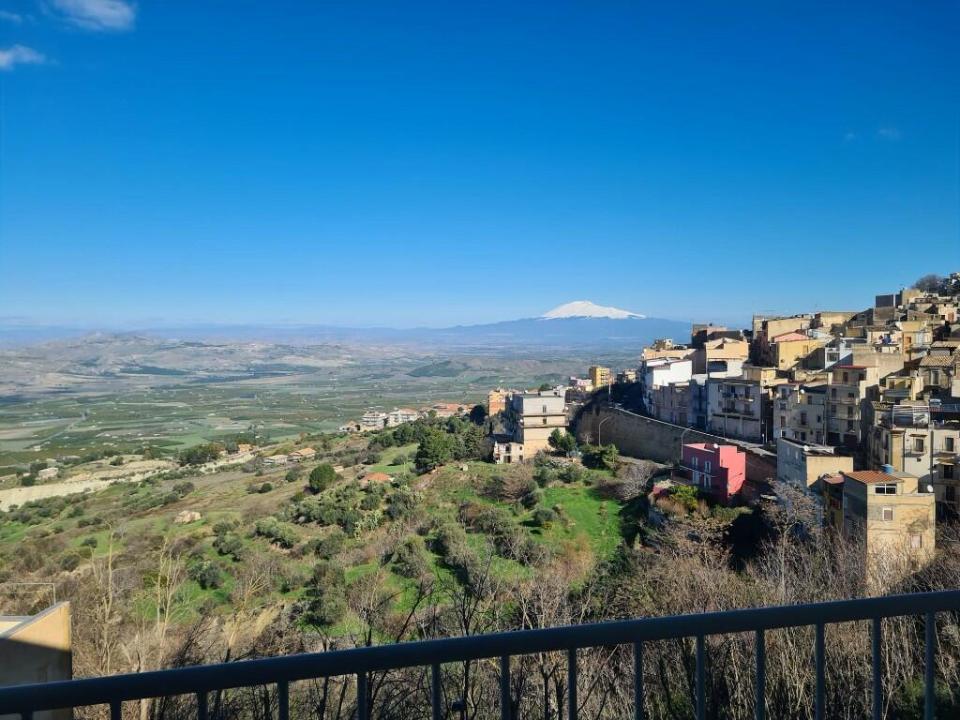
(717, 470)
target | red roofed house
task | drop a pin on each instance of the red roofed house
(717, 470)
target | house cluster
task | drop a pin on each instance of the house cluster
(527, 418)
(374, 419)
(862, 407)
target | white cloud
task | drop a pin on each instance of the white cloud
(888, 133)
(20, 55)
(11, 17)
(98, 14)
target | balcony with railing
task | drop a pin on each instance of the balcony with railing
(277, 674)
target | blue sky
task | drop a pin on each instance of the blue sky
(436, 163)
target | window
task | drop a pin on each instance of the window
(918, 444)
(706, 466)
(803, 437)
(916, 541)
(544, 421)
(946, 472)
(695, 461)
(803, 418)
(849, 412)
(849, 425)
(833, 393)
(846, 377)
(544, 408)
(783, 420)
(948, 444)
(885, 489)
(886, 514)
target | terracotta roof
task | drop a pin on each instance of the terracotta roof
(833, 479)
(871, 476)
(788, 336)
(937, 361)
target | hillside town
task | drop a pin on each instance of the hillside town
(859, 410)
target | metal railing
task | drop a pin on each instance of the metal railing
(281, 671)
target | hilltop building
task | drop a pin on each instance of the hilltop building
(531, 417)
(717, 470)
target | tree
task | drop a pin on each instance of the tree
(601, 457)
(545, 386)
(436, 448)
(326, 595)
(929, 283)
(321, 477)
(478, 414)
(562, 441)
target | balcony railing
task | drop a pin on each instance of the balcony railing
(281, 671)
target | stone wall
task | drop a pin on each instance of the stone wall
(643, 437)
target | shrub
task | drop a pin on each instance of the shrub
(326, 595)
(184, 488)
(321, 477)
(330, 544)
(410, 558)
(70, 561)
(279, 533)
(293, 475)
(28, 480)
(265, 488)
(229, 545)
(90, 542)
(544, 517)
(206, 574)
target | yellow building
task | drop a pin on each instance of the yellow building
(890, 520)
(599, 376)
(497, 401)
(36, 649)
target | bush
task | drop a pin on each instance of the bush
(229, 545)
(544, 517)
(293, 475)
(28, 480)
(326, 595)
(330, 544)
(206, 574)
(410, 558)
(265, 488)
(184, 488)
(279, 533)
(603, 457)
(90, 542)
(70, 561)
(321, 477)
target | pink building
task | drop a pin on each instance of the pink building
(718, 470)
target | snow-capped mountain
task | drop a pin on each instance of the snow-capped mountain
(587, 309)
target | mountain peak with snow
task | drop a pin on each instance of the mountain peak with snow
(587, 309)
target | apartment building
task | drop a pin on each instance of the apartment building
(721, 356)
(852, 387)
(793, 348)
(531, 418)
(599, 376)
(804, 465)
(717, 470)
(661, 372)
(373, 420)
(890, 520)
(800, 412)
(908, 438)
(742, 407)
(670, 403)
(765, 329)
(399, 416)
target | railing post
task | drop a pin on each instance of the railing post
(760, 709)
(436, 692)
(363, 712)
(701, 679)
(116, 710)
(572, 684)
(638, 709)
(877, 674)
(283, 700)
(929, 697)
(819, 653)
(505, 687)
(202, 705)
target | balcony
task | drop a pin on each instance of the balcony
(280, 672)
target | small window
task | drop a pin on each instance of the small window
(885, 489)
(846, 377)
(706, 466)
(948, 444)
(544, 421)
(916, 541)
(886, 514)
(946, 472)
(918, 444)
(695, 461)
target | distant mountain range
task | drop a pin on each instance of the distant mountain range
(578, 323)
